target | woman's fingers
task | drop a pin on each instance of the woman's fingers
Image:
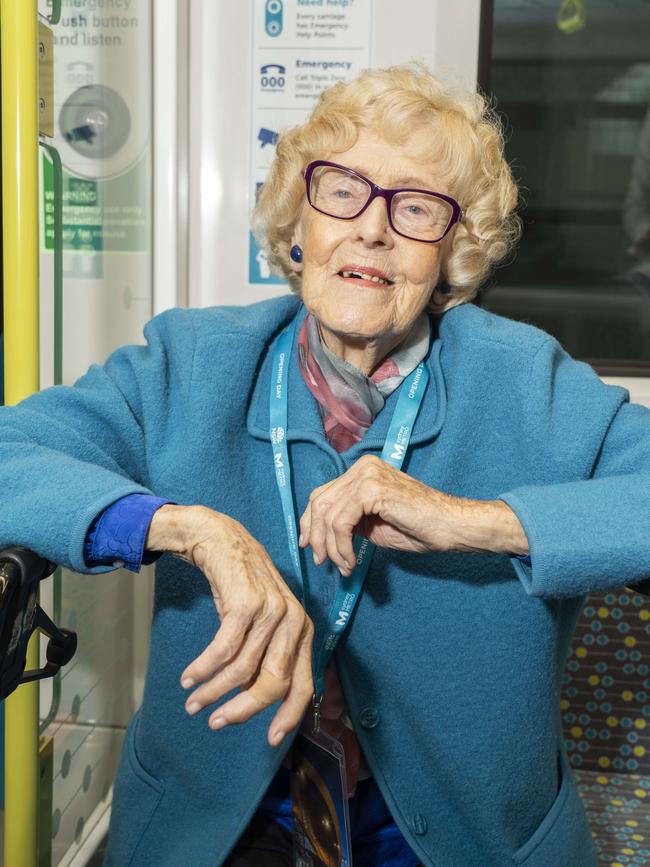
(267, 689)
(341, 524)
(275, 640)
(321, 502)
(292, 709)
(240, 669)
(306, 518)
(225, 647)
(305, 527)
(263, 626)
(401, 511)
(281, 675)
(334, 512)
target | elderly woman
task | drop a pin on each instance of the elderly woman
(374, 425)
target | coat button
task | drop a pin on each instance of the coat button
(418, 824)
(369, 717)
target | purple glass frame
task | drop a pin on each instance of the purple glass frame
(379, 192)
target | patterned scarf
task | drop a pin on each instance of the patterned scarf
(348, 399)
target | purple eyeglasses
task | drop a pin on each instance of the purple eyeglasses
(420, 215)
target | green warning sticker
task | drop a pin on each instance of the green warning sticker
(99, 215)
(82, 192)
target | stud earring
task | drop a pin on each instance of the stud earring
(296, 253)
(444, 288)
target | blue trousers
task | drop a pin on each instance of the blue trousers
(376, 839)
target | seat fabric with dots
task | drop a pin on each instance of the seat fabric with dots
(605, 709)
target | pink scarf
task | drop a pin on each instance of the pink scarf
(348, 399)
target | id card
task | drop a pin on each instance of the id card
(321, 825)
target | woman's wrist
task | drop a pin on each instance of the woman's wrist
(174, 529)
(488, 526)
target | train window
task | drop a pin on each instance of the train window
(572, 82)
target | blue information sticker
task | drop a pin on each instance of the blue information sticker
(258, 267)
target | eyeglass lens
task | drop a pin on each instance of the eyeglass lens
(338, 193)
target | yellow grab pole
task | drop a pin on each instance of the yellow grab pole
(19, 69)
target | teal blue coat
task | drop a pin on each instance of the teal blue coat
(453, 662)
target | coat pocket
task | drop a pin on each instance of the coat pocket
(136, 796)
(563, 838)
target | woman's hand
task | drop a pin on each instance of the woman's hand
(393, 510)
(264, 641)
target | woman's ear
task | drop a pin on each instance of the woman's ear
(441, 295)
(441, 290)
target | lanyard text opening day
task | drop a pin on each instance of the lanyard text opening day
(394, 451)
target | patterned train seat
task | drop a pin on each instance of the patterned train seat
(605, 708)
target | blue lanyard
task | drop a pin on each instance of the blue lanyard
(394, 452)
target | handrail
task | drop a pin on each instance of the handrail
(57, 183)
(19, 71)
(57, 188)
(55, 15)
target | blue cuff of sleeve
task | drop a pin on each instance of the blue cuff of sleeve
(118, 534)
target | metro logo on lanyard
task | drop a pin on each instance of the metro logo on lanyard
(394, 451)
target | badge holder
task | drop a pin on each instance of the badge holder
(321, 824)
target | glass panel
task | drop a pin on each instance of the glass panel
(577, 111)
(102, 130)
